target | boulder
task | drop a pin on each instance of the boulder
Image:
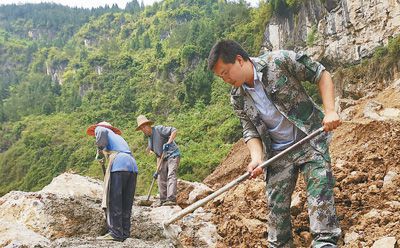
(17, 235)
(53, 216)
(73, 185)
(67, 213)
(190, 192)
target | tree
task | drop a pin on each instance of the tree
(2, 115)
(159, 51)
(198, 85)
(146, 41)
(133, 7)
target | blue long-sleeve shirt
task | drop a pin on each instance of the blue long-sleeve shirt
(108, 140)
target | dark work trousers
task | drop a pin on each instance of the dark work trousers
(122, 191)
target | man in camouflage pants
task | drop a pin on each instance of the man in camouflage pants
(275, 112)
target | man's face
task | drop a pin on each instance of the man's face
(146, 129)
(232, 74)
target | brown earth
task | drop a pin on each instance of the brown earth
(232, 166)
(365, 155)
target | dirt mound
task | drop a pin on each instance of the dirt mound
(233, 166)
(241, 215)
(366, 165)
(365, 159)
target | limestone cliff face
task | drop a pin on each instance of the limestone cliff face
(56, 71)
(343, 31)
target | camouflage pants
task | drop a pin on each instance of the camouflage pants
(281, 181)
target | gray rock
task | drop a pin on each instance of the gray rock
(13, 234)
(390, 113)
(372, 214)
(385, 242)
(389, 178)
(351, 237)
(67, 213)
(92, 243)
(371, 110)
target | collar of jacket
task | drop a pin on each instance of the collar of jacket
(260, 64)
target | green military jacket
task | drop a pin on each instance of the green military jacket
(282, 73)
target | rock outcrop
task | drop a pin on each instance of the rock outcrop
(67, 213)
(341, 30)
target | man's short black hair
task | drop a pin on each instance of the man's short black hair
(227, 50)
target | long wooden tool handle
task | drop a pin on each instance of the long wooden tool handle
(151, 187)
(233, 183)
(160, 162)
(158, 170)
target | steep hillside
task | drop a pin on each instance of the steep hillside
(117, 65)
(26, 29)
(46, 23)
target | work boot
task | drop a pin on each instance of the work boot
(169, 203)
(107, 237)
